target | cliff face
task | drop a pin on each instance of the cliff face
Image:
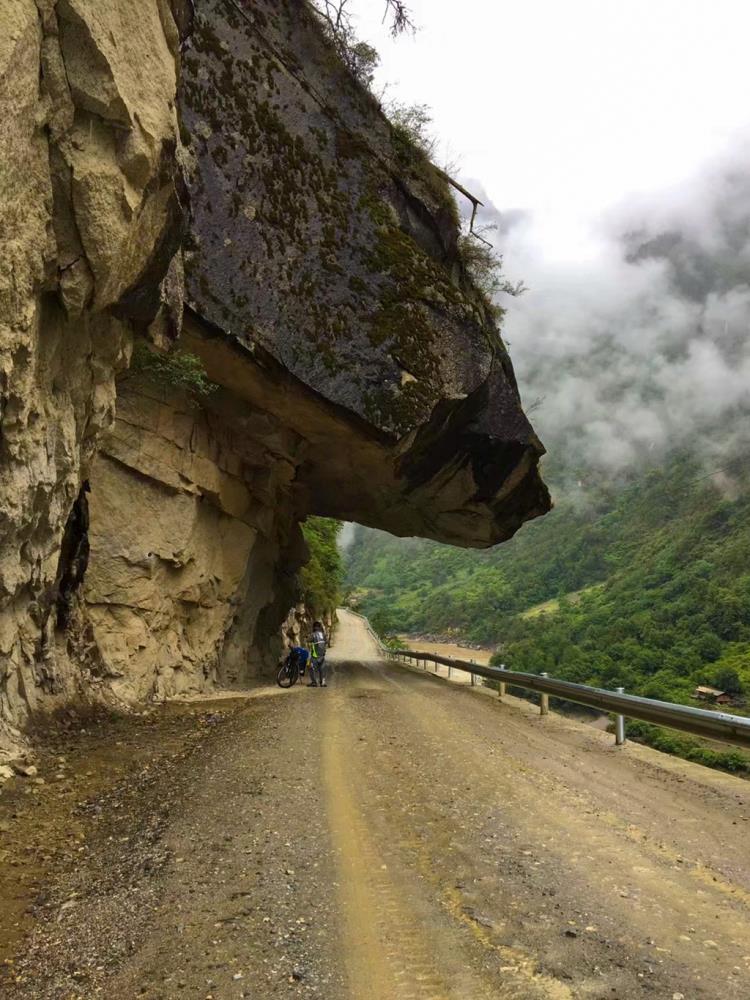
(322, 239)
(90, 220)
(359, 374)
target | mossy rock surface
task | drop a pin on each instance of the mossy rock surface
(322, 237)
(316, 231)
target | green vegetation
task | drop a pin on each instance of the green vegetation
(688, 747)
(412, 125)
(392, 641)
(322, 577)
(646, 585)
(360, 57)
(178, 370)
(485, 265)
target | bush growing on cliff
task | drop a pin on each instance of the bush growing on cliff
(322, 577)
(178, 370)
(361, 58)
(484, 264)
(412, 125)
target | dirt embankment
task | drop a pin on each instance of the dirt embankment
(90, 771)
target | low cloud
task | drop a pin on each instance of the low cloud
(637, 341)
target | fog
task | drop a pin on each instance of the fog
(613, 141)
(633, 335)
(346, 535)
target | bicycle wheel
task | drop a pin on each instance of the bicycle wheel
(287, 675)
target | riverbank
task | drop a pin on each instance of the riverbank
(479, 655)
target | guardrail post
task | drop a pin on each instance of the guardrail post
(731, 729)
(620, 724)
(544, 705)
(473, 677)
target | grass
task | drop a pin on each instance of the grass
(551, 607)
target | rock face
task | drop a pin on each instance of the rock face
(359, 373)
(323, 237)
(173, 600)
(89, 223)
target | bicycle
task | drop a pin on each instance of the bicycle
(290, 671)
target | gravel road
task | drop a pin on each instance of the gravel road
(393, 837)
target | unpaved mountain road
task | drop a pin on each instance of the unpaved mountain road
(397, 837)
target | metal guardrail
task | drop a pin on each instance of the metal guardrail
(722, 726)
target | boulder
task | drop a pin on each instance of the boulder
(323, 262)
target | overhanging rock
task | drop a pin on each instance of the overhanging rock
(361, 374)
(324, 279)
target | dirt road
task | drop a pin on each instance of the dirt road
(396, 837)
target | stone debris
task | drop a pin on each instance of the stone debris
(26, 770)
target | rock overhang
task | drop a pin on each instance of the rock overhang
(323, 258)
(362, 376)
(450, 480)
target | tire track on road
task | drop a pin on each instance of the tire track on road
(382, 944)
(406, 936)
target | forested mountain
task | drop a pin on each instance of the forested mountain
(644, 584)
(638, 364)
(322, 576)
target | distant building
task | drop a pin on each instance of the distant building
(712, 694)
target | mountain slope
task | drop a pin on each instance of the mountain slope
(669, 550)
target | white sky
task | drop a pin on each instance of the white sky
(564, 108)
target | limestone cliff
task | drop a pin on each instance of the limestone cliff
(225, 163)
(90, 220)
(191, 525)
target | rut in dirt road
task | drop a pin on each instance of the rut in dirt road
(398, 837)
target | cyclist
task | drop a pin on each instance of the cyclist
(318, 655)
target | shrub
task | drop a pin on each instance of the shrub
(178, 370)
(484, 264)
(412, 126)
(688, 747)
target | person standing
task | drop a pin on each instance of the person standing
(318, 648)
